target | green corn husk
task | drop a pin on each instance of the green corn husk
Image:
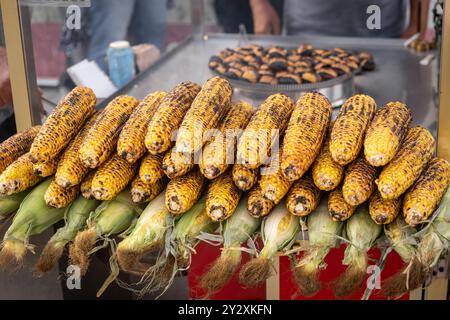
(10, 204)
(75, 219)
(32, 218)
(323, 234)
(110, 218)
(236, 230)
(278, 231)
(362, 233)
(401, 238)
(434, 242)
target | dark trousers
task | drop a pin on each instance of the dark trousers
(7, 128)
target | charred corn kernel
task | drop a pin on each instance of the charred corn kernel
(208, 107)
(151, 169)
(168, 117)
(305, 134)
(359, 181)
(304, 197)
(63, 124)
(326, 173)
(406, 167)
(267, 124)
(386, 133)
(131, 144)
(222, 197)
(86, 185)
(426, 194)
(71, 171)
(383, 211)
(183, 192)
(243, 177)
(17, 145)
(112, 177)
(220, 152)
(46, 169)
(18, 176)
(274, 186)
(143, 192)
(58, 197)
(258, 205)
(101, 139)
(176, 164)
(337, 207)
(350, 127)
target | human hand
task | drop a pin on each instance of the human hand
(265, 18)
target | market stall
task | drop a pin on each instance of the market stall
(103, 146)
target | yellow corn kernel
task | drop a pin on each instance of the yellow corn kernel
(46, 169)
(16, 145)
(168, 117)
(101, 139)
(359, 181)
(208, 107)
(176, 164)
(263, 130)
(243, 177)
(131, 144)
(18, 176)
(222, 197)
(58, 197)
(63, 124)
(143, 192)
(350, 128)
(305, 134)
(386, 133)
(71, 171)
(151, 169)
(183, 192)
(408, 163)
(274, 186)
(383, 211)
(337, 207)
(86, 185)
(424, 197)
(257, 204)
(112, 177)
(304, 197)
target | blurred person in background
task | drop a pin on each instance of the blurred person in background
(347, 18)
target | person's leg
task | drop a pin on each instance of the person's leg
(109, 21)
(7, 128)
(148, 24)
(232, 13)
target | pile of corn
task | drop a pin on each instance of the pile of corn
(192, 154)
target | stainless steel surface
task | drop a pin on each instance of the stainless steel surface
(398, 74)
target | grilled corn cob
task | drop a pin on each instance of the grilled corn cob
(46, 169)
(183, 192)
(258, 205)
(71, 171)
(326, 173)
(143, 192)
(337, 207)
(383, 211)
(222, 197)
(243, 177)
(17, 145)
(359, 181)
(274, 186)
(18, 176)
(408, 164)
(101, 139)
(58, 197)
(350, 127)
(63, 124)
(86, 185)
(131, 144)
(168, 117)
(305, 134)
(151, 169)
(219, 153)
(386, 132)
(304, 197)
(267, 124)
(426, 194)
(208, 107)
(176, 164)
(112, 177)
